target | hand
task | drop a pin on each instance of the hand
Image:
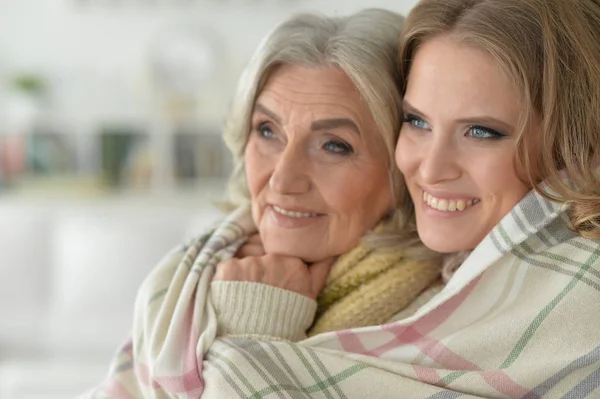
(252, 247)
(286, 272)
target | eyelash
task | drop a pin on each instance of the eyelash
(261, 128)
(340, 147)
(493, 134)
(411, 119)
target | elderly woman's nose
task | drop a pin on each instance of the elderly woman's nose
(438, 162)
(289, 173)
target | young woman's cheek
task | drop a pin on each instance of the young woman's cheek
(405, 153)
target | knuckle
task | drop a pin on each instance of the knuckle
(270, 259)
(249, 262)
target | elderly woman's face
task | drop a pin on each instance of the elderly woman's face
(315, 166)
(457, 144)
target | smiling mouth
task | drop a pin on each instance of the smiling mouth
(448, 205)
(293, 214)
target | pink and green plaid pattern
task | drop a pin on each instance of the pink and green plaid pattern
(519, 319)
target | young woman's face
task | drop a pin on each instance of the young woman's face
(315, 167)
(457, 144)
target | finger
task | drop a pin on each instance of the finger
(254, 239)
(252, 247)
(318, 273)
(250, 250)
(224, 270)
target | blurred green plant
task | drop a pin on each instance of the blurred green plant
(29, 83)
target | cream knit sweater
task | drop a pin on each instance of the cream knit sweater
(254, 310)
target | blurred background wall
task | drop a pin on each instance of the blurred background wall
(110, 155)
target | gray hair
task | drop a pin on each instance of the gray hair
(365, 46)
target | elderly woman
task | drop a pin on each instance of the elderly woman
(499, 150)
(313, 127)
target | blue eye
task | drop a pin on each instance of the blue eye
(480, 132)
(338, 147)
(265, 131)
(416, 122)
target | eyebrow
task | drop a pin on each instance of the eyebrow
(261, 108)
(407, 108)
(321, 124)
(476, 120)
(334, 123)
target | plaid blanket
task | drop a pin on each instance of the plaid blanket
(519, 319)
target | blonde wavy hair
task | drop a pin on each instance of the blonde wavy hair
(550, 49)
(364, 45)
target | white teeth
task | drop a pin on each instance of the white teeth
(446, 205)
(292, 213)
(442, 205)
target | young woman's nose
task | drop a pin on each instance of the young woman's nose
(438, 161)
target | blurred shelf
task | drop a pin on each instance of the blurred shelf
(92, 191)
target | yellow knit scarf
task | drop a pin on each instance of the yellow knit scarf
(367, 287)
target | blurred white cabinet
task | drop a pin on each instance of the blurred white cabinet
(69, 272)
